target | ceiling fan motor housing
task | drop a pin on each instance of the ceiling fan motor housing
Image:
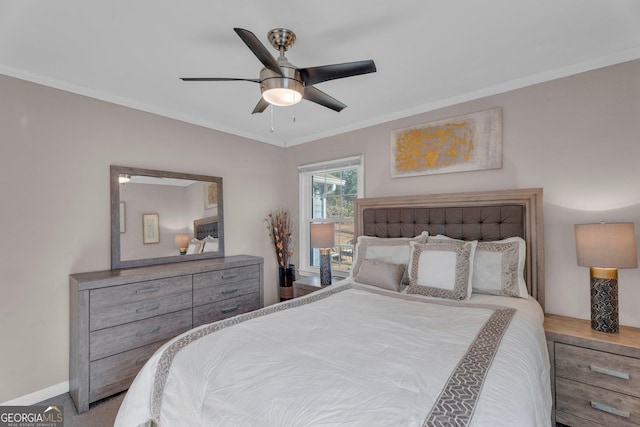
(277, 89)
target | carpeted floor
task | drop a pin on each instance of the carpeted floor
(100, 414)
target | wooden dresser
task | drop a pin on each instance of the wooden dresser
(595, 376)
(118, 318)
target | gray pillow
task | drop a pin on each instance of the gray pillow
(382, 274)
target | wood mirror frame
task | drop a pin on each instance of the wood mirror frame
(116, 251)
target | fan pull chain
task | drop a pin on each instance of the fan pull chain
(293, 99)
(272, 128)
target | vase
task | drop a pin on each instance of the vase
(286, 277)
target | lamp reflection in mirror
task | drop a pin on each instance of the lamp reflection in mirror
(322, 237)
(181, 241)
(605, 248)
(124, 178)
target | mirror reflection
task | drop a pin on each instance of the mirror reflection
(161, 217)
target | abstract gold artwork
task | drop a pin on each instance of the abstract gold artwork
(464, 143)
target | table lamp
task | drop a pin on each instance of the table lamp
(181, 241)
(605, 248)
(322, 237)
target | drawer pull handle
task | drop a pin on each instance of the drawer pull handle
(609, 409)
(230, 275)
(229, 310)
(141, 360)
(610, 372)
(148, 309)
(229, 291)
(149, 332)
(149, 290)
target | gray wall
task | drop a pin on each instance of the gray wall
(576, 137)
(55, 152)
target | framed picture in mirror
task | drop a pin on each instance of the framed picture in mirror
(122, 219)
(210, 195)
(150, 228)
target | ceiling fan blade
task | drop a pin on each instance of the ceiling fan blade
(216, 79)
(319, 97)
(313, 75)
(259, 50)
(260, 106)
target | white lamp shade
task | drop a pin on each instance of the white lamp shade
(322, 235)
(606, 245)
(282, 97)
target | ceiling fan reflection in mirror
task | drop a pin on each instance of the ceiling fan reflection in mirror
(282, 83)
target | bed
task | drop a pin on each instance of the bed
(373, 349)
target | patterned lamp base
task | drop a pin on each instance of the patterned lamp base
(604, 300)
(325, 267)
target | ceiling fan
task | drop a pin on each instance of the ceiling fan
(282, 83)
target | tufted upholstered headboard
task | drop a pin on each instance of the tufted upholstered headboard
(205, 227)
(483, 216)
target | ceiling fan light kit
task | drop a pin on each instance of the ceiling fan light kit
(281, 90)
(282, 83)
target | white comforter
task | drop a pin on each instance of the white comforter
(358, 357)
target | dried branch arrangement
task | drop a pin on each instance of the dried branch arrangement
(279, 226)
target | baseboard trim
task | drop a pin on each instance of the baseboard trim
(39, 396)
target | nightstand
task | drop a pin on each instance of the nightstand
(306, 285)
(595, 376)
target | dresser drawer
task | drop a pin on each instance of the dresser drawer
(110, 341)
(226, 275)
(223, 284)
(606, 370)
(107, 316)
(222, 309)
(596, 404)
(116, 373)
(141, 291)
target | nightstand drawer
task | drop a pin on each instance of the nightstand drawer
(596, 404)
(598, 368)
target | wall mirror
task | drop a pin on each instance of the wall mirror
(160, 217)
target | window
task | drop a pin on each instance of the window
(327, 192)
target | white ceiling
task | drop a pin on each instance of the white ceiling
(429, 53)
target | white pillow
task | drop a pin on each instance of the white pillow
(394, 250)
(195, 247)
(498, 267)
(210, 244)
(441, 269)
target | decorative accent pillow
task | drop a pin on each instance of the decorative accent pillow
(498, 267)
(394, 250)
(442, 269)
(210, 244)
(382, 274)
(195, 247)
